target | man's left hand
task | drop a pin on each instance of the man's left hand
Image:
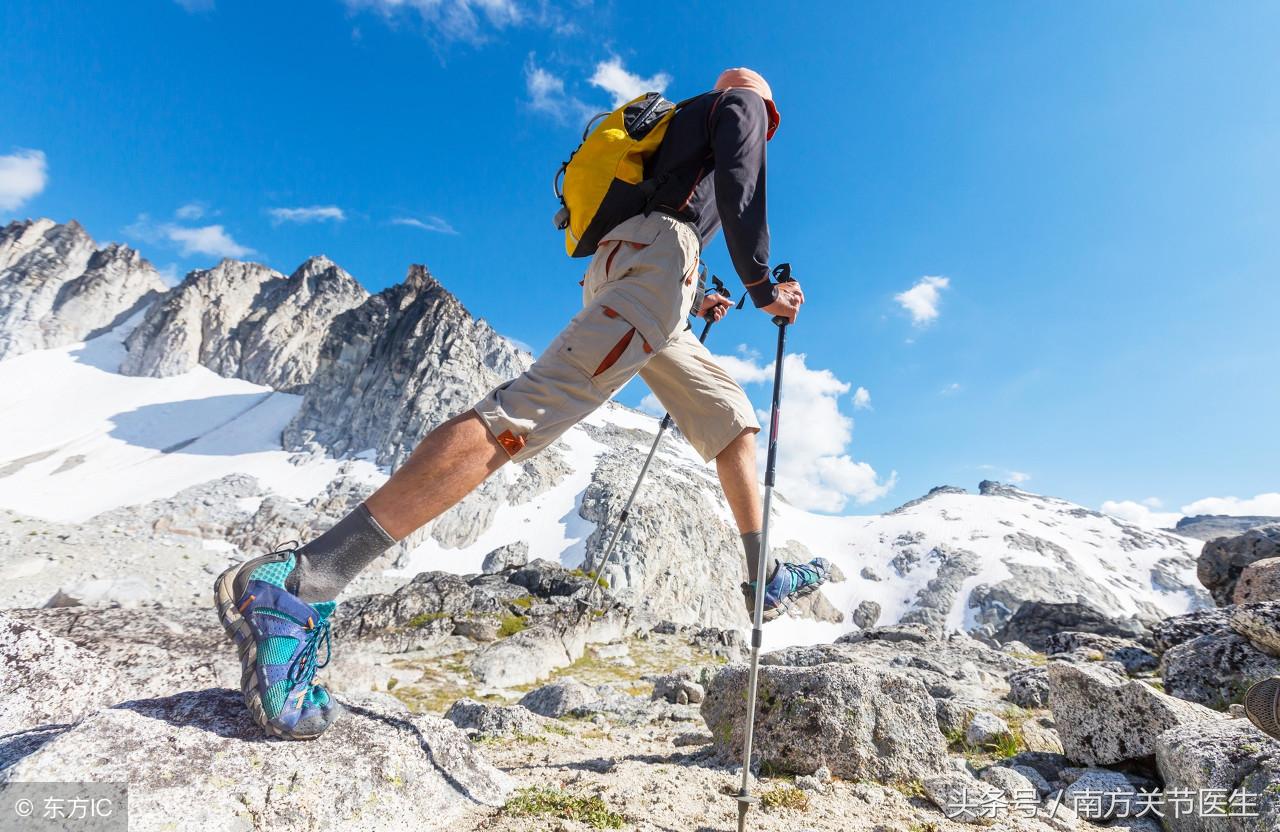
(714, 307)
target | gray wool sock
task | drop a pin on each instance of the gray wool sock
(751, 544)
(327, 564)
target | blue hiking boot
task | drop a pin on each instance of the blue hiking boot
(279, 638)
(790, 582)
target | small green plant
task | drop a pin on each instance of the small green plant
(392, 682)
(592, 811)
(785, 797)
(590, 575)
(1006, 745)
(511, 624)
(422, 619)
(955, 739)
(927, 826)
(911, 788)
(523, 602)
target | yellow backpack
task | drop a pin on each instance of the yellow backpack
(603, 182)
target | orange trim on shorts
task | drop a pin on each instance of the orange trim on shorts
(510, 442)
(617, 351)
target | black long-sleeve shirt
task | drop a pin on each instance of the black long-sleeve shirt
(711, 171)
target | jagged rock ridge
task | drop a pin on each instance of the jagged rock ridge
(244, 320)
(57, 287)
(396, 366)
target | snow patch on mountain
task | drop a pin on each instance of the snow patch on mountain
(79, 438)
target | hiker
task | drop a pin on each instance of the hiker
(640, 287)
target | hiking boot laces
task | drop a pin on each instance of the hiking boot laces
(303, 668)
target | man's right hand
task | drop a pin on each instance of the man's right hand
(787, 301)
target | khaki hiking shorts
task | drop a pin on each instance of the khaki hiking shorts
(636, 297)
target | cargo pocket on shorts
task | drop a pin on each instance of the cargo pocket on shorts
(606, 348)
(621, 248)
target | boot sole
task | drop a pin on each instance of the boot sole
(1260, 706)
(788, 603)
(226, 589)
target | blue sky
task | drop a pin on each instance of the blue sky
(1040, 238)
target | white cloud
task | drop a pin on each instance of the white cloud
(23, 174)
(1143, 513)
(310, 213)
(744, 366)
(815, 469)
(614, 79)
(650, 404)
(190, 240)
(1267, 504)
(546, 94)
(462, 20)
(862, 399)
(1139, 514)
(1017, 477)
(194, 6)
(951, 389)
(546, 90)
(427, 223)
(208, 239)
(922, 299)
(190, 211)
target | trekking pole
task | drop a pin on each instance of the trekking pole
(745, 799)
(719, 289)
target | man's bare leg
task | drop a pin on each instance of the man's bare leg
(447, 465)
(736, 467)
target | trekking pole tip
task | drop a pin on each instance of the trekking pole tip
(745, 802)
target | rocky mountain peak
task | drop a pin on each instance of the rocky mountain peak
(319, 275)
(936, 491)
(244, 320)
(419, 277)
(57, 288)
(992, 488)
(314, 263)
(408, 358)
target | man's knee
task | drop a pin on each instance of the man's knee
(743, 444)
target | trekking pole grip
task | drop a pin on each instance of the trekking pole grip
(717, 287)
(782, 274)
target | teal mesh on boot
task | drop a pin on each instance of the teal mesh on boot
(274, 573)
